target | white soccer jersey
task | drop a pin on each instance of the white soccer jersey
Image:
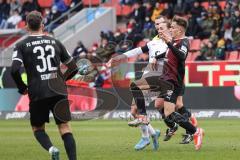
(156, 47)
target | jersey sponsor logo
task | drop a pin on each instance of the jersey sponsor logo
(184, 49)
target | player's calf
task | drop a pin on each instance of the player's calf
(69, 141)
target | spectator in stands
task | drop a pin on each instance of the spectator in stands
(28, 6)
(51, 16)
(138, 13)
(214, 5)
(119, 36)
(220, 50)
(15, 5)
(13, 20)
(156, 11)
(202, 56)
(207, 50)
(206, 24)
(187, 5)
(178, 8)
(220, 53)
(229, 8)
(213, 38)
(226, 21)
(167, 11)
(236, 39)
(235, 20)
(80, 50)
(105, 51)
(196, 10)
(60, 5)
(192, 26)
(4, 12)
(228, 38)
(148, 9)
(216, 17)
(148, 28)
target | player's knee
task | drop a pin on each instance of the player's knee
(158, 104)
(38, 128)
(179, 104)
(64, 128)
(168, 111)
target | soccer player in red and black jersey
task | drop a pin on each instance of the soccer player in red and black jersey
(173, 73)
(41, 56)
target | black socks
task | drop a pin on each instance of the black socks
(43, 139)
(70, 146)
(182, 121)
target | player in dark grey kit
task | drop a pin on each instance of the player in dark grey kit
(41, 56)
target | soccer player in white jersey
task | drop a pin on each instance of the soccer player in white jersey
(156, 49)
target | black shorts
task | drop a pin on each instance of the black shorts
(58, 105)
(172, 95)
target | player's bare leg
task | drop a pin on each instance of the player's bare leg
(45, 142)
(68, 139)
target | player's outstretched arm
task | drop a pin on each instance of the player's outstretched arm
(15, 72)
(124, 57)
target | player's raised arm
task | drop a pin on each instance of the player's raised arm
(67, 60)
(15, 70)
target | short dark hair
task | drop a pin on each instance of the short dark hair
(180, 21)
(34, 20)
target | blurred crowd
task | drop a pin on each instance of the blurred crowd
(13, 12)
(217, 26)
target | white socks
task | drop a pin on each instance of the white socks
(151, 130)
(145, 132)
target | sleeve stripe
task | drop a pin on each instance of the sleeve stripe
(17, 59)
(68, 61)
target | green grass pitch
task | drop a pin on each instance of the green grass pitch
(114, 140)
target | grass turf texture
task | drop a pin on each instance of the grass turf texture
(114, 140)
